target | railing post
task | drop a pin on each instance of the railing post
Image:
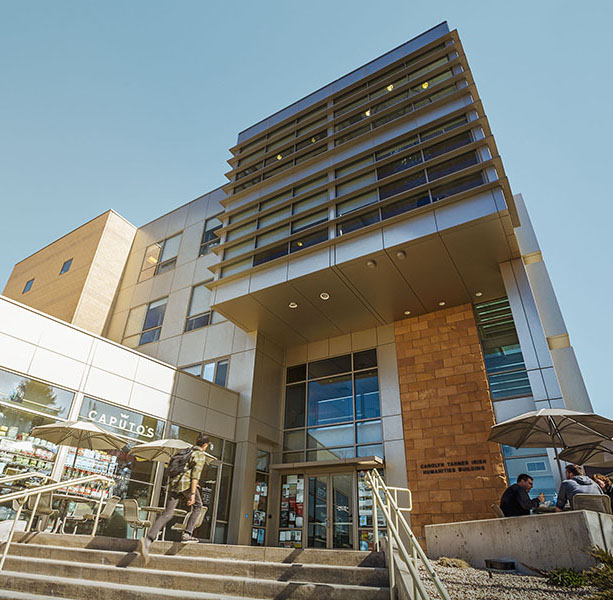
(95, 527)
(31, 521)
(375, 517)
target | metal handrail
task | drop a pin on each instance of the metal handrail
(397, 524)
(22, 495)
(27, 475)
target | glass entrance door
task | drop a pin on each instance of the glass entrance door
(317, 523)
(342, 511)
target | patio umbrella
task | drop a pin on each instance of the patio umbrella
(160, 450)
(552, 428)
(599, 454)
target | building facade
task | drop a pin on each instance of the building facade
(365, 292)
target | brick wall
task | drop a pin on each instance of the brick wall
(454, 473)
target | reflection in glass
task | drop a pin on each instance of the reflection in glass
(330, 400)
(369, 432)
(330, 366)
(326, 437)
(331, 453)
(318, 509)
(367, 395)
(294, 405)
(342, 510)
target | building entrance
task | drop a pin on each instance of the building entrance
(323, 509)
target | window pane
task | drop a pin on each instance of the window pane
(309, 185)
(272, 236)
(312, 140)
(200, 301)
(270, 254)
(455, 187)
(238, 249)
(198, 322)
(448, 126)
(242, 265)
(306, 222)
(402, 185)
(433, 97)
(66, 266)
(297, 373)
(367, 395)
(357, 222)
(193, 370)
(208, 371)
(327, 437)
(354, 166)
(295, 405)
(330, 454)
(355, 133)
(365, 359)
(151, 335)
(244, 213)
(451, 166)
(28, 286)
(274, 217)
(309, 203)
(136, 317)
(171, 248)
(281, 154)
(293, 440)
(369, 432)
(155, 314)
(427, 68)
(402, 206)
(240, 231)
(375, 450)
(330, 400)
(312, 126)
(358, 202)
(407, 143)
(284, 141)
(355, 184)
(221, 374)
(330, 366)
(308, 240)
(274, 201)
(350, 106)
(447, 145)
(406, 162)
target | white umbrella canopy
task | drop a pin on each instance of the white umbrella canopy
(552, 428)
(160, 450)
(78, 434)
(599, 454)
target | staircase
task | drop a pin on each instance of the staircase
(42, 566)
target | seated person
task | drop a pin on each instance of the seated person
(576, 482)
(605, 484)
(515, 501)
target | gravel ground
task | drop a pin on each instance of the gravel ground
(475, 584)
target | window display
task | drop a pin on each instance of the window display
(292, 511)
(260, 499)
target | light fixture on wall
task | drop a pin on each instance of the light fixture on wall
(293, 305)
(324, 296)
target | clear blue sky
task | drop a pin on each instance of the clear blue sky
(132, 105)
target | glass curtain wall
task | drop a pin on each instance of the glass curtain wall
(508, 380)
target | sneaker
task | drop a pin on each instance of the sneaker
(143, 549)
(186, 538)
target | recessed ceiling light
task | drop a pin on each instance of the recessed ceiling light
(299, 244)
(367, 113)
(390, 87)
(478, 294)
(371, 264)
(313, 140)
(441, 303)
(279, 156)
(407, 312)
(324, 296)
(425, 85)
(293, 305)
(401, 255)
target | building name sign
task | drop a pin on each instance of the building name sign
(122, 423)
(453, 466)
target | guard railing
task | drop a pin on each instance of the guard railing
(21, 496)
(385, 499)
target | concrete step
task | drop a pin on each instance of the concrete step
(190, 582)
(44, 587)
(313, 573)
(231, 552)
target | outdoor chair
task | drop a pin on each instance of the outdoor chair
(44, 511)
(597, 502)
(181, 526)
(78, 515)
(106, 512)
(497, 511)
(130, 515)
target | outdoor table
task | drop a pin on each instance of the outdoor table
(157, 510)
(64, 499)
(540, 510)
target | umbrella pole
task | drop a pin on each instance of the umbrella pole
(554, 431)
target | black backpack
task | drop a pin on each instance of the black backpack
(178, 463)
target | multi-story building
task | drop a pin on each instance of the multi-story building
(365, 292)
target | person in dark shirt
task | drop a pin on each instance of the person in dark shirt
(515, 501)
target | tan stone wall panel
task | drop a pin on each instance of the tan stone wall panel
(447, 415)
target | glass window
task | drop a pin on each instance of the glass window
(447, 145)
(134, 325)
(272, 236)
(330, 400)
(451, 166)
(28, 286)
(208, 371)
(274, 217)
(308, 240)
(354, 166)
(402, 185)
(316, 137)
(377, 108)
(391, 116)
(150, 262)
(312, 126)
(193, 369)
(458, 185)
(309, 203)
(209, 238)
(373, 82)
(284, 141)
(367, 395)
(429, 67)
(168, 254)
(330, 453)
(309, 185)
(199, 313)
(281, 154)
(297, 373)
(358, 202)
(66, 266)
(276, 200)
(345, 109)
(237, 267)
(406, 162)
(234, 234)
(448, 126)
(327, 437)
(238, 249)
(310, 220)
(33, 395)
(355, 133)
(436, 96)
(270, 254)
(396, 148)
(365, 359)
(154, 318)
(375, 450)
(358, 222)
(424, 85)
(293, 440)
(311, 154)
(252, 210)
(402, 206)
(330, 366)
(369, 432)
(387, 88)
(249, 170)
(356, 183)
(221, 372)
(351, 120)
(295, 401)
